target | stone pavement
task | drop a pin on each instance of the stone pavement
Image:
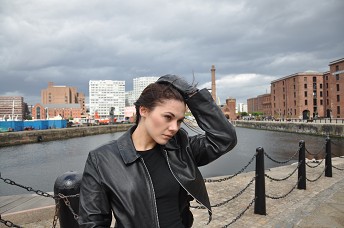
(320, 205)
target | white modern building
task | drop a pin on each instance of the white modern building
(242, 107)
(106, 94)
(129, 98)
(141, 83)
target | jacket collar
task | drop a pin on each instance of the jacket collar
(127, 150)
(126, 146)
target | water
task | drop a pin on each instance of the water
(38, 165)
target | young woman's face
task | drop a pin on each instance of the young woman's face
(163, 122)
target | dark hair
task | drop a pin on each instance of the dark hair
(155, 94)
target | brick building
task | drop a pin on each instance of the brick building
(65, 111)
(261, 103)
(62, 95)
(334, 89)
(61, 101)
(12, 107)
(229, 108)
(298, 95)
(252, 105)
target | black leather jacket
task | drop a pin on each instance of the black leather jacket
(116, 179)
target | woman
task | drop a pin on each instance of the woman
(147, 177)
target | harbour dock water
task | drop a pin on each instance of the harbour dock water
(321, 204)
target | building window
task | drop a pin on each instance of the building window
(306, 102)
(321, 102)
(327, 102)
(338, 109)
(305, 86)
(327, 93)
(337, 77)
(326, 78)
(305, 79)
(326, 85)
(283, 82)
(294, 94)
(294, 87)
(337, 68)
(337, 87)
(305, 93)
(321, 94)
(338, 98)
(314, 79)
(320, 86)
(283, 96)
(294, 102)
(294, 112)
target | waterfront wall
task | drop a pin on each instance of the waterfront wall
(334, 130)
(35, 136)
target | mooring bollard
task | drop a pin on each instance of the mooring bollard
(260, 204)
(302, 166)
(68, 184)
(328, 158)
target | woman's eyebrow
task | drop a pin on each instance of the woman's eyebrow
(172, 114)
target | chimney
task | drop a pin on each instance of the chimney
(213, 85)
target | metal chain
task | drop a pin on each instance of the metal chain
(318, 176)
(282, 162)
(337, 168)
(237, 195)
(227, 201)
(285, 178)
(315, 166)
(66, 201)
(57, 208)
(285, 195)
(321, 150)
(230, 177)
(241, 214)
(8, 223)
(38, 192)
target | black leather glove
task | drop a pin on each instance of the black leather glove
(179, 83)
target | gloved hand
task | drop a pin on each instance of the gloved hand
(179, 83)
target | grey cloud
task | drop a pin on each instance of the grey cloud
(72, 43)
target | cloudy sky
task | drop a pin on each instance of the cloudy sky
(250, 43)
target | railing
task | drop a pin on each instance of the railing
(296, 120)
(67, 201)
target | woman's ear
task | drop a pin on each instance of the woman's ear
(143, 111)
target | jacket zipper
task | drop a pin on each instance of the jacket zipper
(168, 162)
(151, 183)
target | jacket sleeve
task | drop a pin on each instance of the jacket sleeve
(219, 137)
(94, 208)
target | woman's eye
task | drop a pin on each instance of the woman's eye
(168, 117)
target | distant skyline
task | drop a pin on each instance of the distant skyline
(250, 43)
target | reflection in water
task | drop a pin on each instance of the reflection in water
(38, 165)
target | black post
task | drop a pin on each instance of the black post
(260, 205)
(302, 166)
(68, 184)
(328, 158)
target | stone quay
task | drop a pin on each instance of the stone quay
(321, 204)
(36, 136)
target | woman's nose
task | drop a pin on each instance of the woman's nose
(174, 126)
